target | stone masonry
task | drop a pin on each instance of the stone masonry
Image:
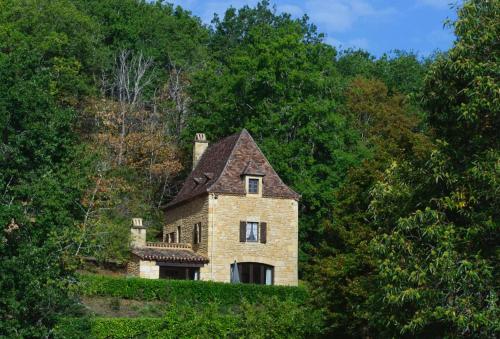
(149, 269)
(220, 216)
(186, 216)
(280, 250)
(217, 195)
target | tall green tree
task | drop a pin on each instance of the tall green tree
(46, 54)
(402, 72)
(342, 277)
(438, 264)
(169, 35)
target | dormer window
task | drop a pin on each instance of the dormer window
(253, 186)
(253, 175)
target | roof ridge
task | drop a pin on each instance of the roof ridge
(228, 158)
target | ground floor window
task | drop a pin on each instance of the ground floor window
(255, 273)
(179, 273)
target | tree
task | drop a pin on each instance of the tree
(402, 72)
(46, 54)
(437, 264)
(125, 186)
(343, 274)
(169, 36)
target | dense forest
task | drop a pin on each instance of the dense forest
(396, 158)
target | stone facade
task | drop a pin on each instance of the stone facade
(186, 216)
(149, 269)
(280, 249)
(232, 190)
(220, 217)
(133, 267)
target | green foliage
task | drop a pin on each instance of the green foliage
(342, 277)
(402, 72)
(438, 263)
(462, 87)
(156, 28)
(275, 77)
(173, 43)
(273, 318)
(190, 292)
(170, 36)
(404, 239)
(46, 52)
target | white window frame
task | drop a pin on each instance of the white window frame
(249, 231)
(259, 186)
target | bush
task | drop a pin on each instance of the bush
(75, 328)
(272, 319)
(183, 291)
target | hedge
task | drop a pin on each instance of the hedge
(273, 319)
(75, 328)
(185, 290)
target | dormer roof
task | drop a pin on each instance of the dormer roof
(223, 166)
(253, 169)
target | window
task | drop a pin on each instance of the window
(179, 273)
(254, 273)
(253, 186)
(178, 234)
(252, 232)
(197, 233)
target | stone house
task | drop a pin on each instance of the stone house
(233, 207)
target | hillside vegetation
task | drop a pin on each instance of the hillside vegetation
(117, 308)
(396, 159)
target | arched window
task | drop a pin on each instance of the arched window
(255, 273)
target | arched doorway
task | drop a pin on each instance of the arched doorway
(255, 273)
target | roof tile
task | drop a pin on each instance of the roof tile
(226, 163)
(172, 255)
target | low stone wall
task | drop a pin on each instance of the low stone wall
(133, 267)
(148, 269)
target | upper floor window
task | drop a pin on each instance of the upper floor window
(252, 231)
(253, 186)
(178, 234)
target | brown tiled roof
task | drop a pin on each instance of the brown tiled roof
(171, 255)
(253, 169)
(222, 167)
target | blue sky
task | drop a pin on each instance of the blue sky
(377, 26)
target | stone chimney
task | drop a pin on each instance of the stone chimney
(200, 146)
(137, 233)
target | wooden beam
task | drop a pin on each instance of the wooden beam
(179, 265)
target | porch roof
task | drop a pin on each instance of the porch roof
(169, 255)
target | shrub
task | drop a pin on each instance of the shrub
(272, 319)
(182, 291)
(75, 328)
